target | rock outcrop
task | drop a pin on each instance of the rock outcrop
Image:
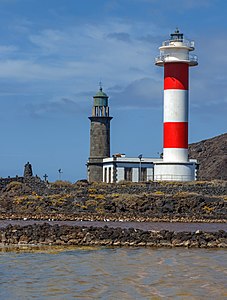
(212, 157)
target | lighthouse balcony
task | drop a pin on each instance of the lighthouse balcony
(191, 60)
(179, 43)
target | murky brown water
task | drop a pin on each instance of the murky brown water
(175, 226)
(112, 273)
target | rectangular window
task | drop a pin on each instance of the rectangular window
(105, 174)
(128, 174)
(110, 173)
(143, 174)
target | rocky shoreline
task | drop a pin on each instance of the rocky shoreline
(46, 234)
(111, 217)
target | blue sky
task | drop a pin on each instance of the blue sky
(53, 53)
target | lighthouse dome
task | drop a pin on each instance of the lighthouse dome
(100, 93)
(101, 98)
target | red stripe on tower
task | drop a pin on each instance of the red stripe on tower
(176, 135)
(176, 76)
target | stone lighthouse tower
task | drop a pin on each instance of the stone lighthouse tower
(99, 136)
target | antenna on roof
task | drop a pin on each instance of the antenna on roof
(100, 85)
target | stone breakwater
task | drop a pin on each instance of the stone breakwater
(46, 234)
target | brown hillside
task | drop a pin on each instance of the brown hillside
(212, 157)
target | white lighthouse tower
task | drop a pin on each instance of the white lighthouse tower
(176, 58)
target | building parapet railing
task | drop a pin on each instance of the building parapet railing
(186, 43)
(172, 177)
(165, 58)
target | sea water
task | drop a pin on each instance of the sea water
(112, 273)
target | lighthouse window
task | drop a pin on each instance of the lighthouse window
(128, 174)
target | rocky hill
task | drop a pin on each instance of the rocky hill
(212, 157)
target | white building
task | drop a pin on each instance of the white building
(136, 169)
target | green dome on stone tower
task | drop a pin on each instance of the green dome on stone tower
(101, 98)
(100, 93)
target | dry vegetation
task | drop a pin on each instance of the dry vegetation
(203, 199)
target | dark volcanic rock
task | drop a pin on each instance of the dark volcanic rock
(74, 235)
(128, 201)
(212, 157)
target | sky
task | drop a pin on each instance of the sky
(54, 53)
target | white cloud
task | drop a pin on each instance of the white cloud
(49, 40)
(85, 51)
(120, 53)
(55, 106)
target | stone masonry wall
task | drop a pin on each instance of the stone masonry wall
(99, 147)
(100, 137)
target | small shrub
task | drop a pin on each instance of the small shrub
(100, 197)
(159, 193)
(208, 209)
(20, 199)
(91, 195)
(14, 185)
(91, 203)
(115, 195)
(124, 183)
(184, 194)
(97, 197)
(100, 210)
(62, 184)
(100, 185)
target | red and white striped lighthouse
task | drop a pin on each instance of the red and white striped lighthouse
(175, 57)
